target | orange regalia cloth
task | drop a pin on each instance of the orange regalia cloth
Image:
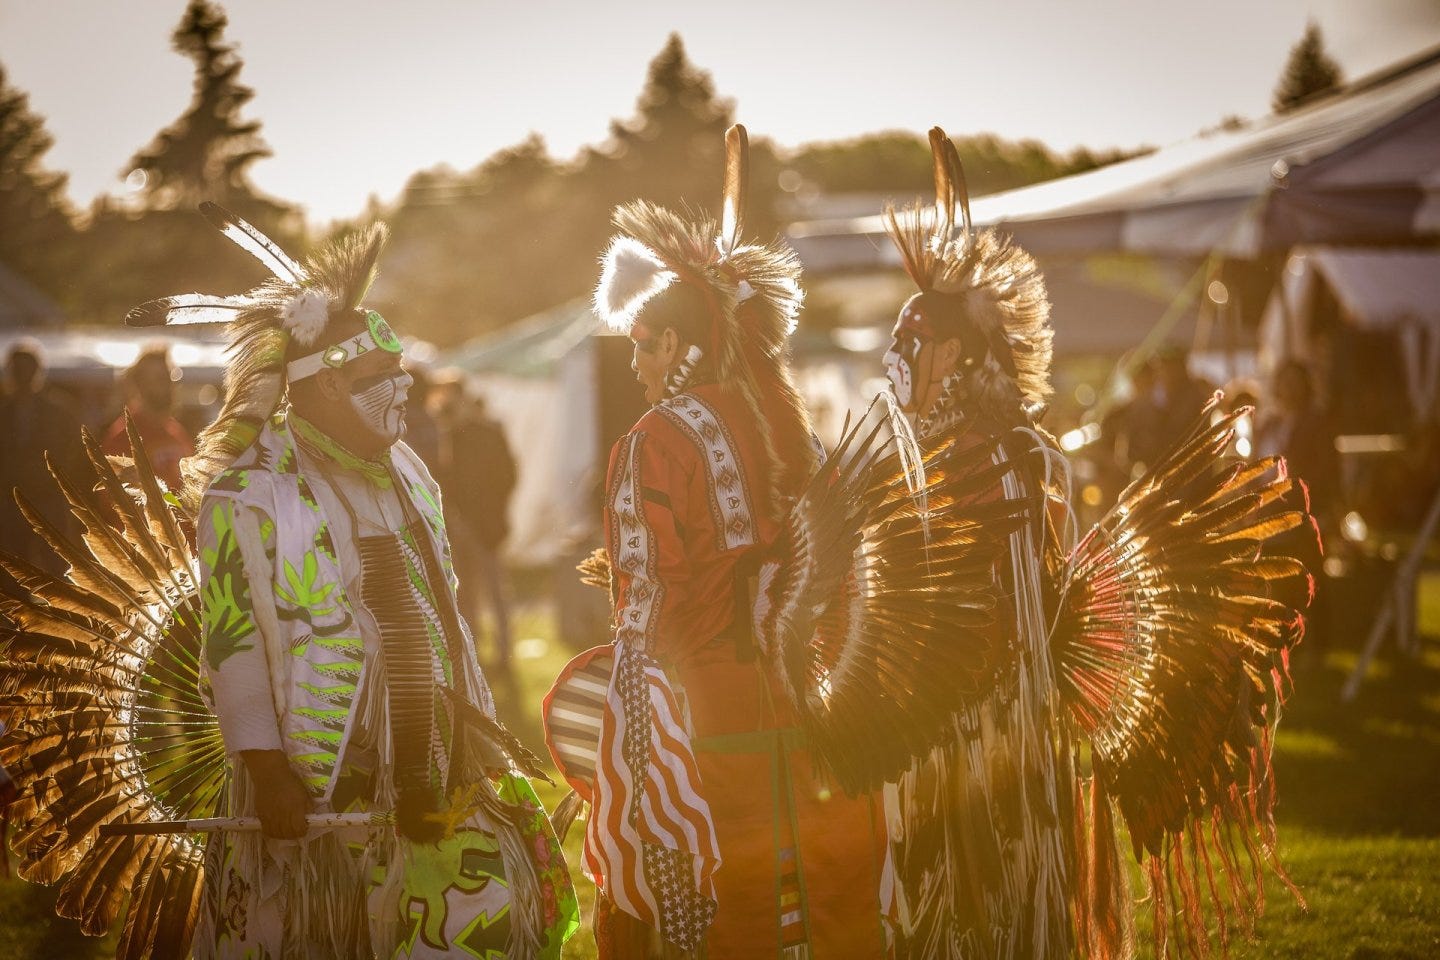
(799, 863)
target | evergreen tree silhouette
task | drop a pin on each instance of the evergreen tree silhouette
(1309, 71)
(206, 154)
(36, 219)
(676, 138)
(155, 243)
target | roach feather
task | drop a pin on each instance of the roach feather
(252, 241)
(737, 188)
(187, 309)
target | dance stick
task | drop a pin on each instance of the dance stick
(321, 821)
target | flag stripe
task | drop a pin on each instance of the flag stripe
(649, 806)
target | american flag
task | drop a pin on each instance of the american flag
(650, 841)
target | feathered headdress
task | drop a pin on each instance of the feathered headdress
(288, 312)
(979, 283)
(752, 294)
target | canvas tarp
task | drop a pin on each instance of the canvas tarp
(1360, 166)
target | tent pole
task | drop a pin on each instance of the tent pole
(1398, 608)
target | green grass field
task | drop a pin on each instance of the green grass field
(1359, 810)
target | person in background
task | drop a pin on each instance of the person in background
(149, 386)
(477, 460)
(1167, 400)
(1124, 428)
(34, 422)
(1298, 429)
(1178, 396)
(422, 430)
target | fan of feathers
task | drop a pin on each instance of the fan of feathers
(104, 721)
(1172, 648)
(879, 618)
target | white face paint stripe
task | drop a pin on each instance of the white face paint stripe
(897, 368)
(379, 406)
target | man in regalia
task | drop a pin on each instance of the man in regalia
(340, 669)
(1145, 662)
(718, 839)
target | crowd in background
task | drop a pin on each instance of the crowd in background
(1366, 502)
(470, 456)
(466, 450)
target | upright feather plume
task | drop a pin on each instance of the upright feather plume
(950, 188)
(737, 188)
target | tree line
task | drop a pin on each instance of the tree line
(471, 250)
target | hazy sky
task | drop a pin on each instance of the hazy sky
(355, 95)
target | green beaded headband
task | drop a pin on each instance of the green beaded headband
(377, 335)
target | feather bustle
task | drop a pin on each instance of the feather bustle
(104, 718)
(1169, 649)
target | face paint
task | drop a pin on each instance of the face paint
(379, 401)
(911, 335)
(897, 368)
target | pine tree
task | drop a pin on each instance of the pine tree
(206, 153)
(1308, 71)
(36, 227)
(520, 233)
(162, 245)
(673, 149)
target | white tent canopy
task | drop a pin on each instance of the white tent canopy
(1362, 165)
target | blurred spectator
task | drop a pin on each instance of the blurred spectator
(149, 388)
(34, 421)
(477, 461)
(422, 430)
(1121, 427)
(1296, 428)
(1242, 393)
(1175, 401)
